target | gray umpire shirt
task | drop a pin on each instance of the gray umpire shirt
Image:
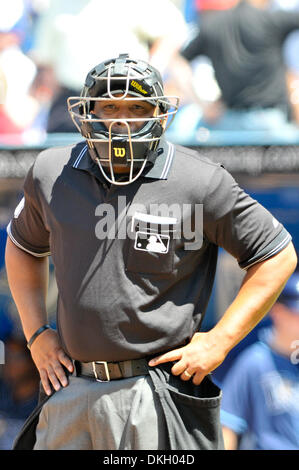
(135, 264)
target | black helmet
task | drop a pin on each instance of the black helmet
(122, 79)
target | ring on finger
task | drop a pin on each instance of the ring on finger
(187, 374)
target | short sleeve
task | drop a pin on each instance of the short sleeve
(27, 228)
(239, 224)
(284, 22)
(193, 46)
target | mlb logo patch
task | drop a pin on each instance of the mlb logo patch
(152, 242)
(152, 233)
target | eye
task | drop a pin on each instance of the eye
(106, 110)
(109, 108)
(140, 110)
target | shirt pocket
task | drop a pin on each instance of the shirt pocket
(151, 245)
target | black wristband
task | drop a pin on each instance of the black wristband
(36, 334)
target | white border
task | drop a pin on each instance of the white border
(37, 255)
(273, 252)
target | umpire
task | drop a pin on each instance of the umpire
(133, 226)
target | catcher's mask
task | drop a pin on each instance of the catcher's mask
(123, 79)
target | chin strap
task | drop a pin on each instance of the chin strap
(153, 154)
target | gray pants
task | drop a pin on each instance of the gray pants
(90, 415)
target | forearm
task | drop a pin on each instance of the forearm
(260, 288)
(293, 91)
(28, 282)
(206, 351)
(182, 74)
(230, 439)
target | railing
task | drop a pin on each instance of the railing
(252, 153)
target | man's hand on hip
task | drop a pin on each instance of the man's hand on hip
(195, 360)
(49, 358)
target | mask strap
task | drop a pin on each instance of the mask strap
(109, 79)
(130, 148)
(119, 65)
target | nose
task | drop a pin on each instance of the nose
(124, 125)
(121, 126)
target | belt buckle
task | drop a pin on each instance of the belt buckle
(106, 371)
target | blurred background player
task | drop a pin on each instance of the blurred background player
(73, 35)
(17, 107)
(19, 380)
(244, 45)
(260, 406)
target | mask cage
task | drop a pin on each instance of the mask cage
(102, 83)
(78, 108)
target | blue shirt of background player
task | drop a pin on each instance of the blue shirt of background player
(261, 398)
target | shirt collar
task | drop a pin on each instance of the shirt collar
(81, 160)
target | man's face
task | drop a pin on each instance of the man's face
(123, 109)
(114, 109)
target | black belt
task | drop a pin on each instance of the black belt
(104, 371)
